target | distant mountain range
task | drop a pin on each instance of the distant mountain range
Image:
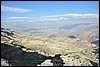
(72, 26)
(84, 31)
(88, 32)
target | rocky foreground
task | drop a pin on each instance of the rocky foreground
(24, 49)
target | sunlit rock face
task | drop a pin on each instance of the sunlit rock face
(24, 49)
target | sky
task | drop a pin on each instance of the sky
(48, 13)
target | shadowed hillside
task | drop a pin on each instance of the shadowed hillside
(24, 49)
(15, 56)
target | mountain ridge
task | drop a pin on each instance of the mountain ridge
(24, 49)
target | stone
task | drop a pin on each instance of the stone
(4, 62)
(47, 63)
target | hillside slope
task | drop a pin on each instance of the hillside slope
(86, 31)
(24, 49)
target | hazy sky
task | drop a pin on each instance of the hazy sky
(48, 13)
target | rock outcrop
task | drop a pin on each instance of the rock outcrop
(24, 49)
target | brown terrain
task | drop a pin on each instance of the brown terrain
(24, 49)
(88, 31)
